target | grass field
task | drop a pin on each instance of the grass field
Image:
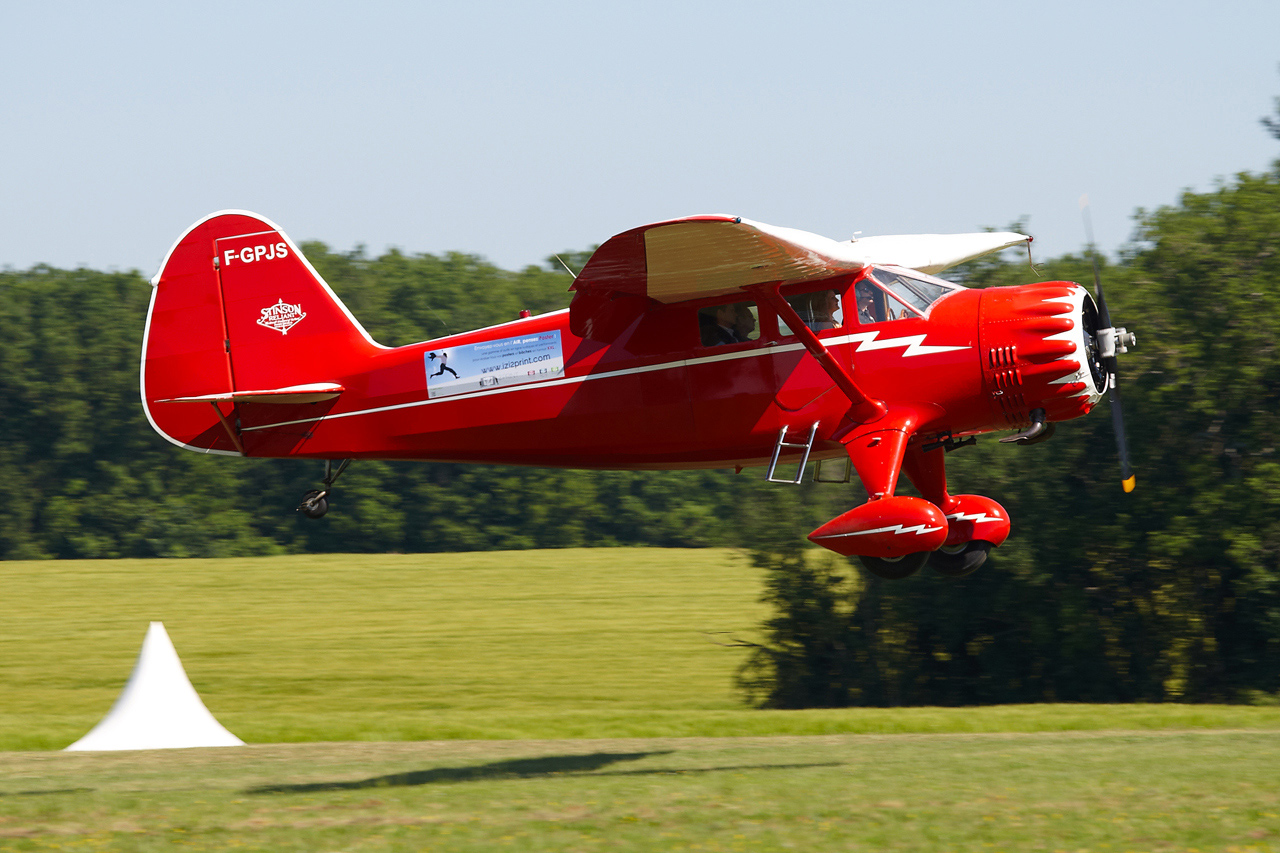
(1072, 791)
(556, 700)
(389, 647)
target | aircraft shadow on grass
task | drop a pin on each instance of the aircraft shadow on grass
(519, 768)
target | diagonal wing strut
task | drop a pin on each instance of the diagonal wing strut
(863, 408)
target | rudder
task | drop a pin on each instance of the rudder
(237, 308)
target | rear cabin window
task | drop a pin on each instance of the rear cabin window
(728, 323)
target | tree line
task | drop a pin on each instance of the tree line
(1169, 593)
(1172, 592)
(87, 477)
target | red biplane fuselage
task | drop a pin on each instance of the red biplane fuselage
(664, 360)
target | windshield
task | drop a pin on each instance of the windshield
(912, 289)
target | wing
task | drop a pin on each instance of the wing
(707, 256)
(933, 253)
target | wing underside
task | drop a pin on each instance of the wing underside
(709, 256)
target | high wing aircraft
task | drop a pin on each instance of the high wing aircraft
(703, 342)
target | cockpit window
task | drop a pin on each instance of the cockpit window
(876, 306)
(917, 292)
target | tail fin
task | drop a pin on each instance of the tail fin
(239, 316)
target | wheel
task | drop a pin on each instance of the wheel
(316, 508)
(895, 568)
(314, 505)
(956, 561)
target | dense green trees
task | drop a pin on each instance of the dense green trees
(86, 476)
(1172, 592)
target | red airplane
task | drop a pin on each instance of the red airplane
(704, 342)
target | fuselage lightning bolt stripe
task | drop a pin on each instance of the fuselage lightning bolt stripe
(913, 344)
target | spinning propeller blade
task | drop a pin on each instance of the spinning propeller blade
(1110, 339)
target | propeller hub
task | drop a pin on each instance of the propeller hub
(1115, 340)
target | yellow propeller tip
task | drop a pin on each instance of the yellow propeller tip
(1128, 484)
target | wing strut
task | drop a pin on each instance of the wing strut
(232, 433)
(863, 409)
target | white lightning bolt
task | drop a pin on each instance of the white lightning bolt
(896, 529)
(976, 518)
(914, 344)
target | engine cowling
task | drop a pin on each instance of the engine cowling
(1038, 351)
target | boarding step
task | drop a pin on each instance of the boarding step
(806, 446)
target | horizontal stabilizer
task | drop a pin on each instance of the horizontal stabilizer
(313, 393)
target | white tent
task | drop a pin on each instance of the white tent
(158, 708)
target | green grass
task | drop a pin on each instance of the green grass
(625, 642)
(387, 647)
(556, 700)
(1182, 791)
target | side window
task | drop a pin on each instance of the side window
(820, 310)
(728, 323)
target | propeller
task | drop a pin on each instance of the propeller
(1110, 341)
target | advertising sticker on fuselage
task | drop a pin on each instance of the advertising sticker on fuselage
(499, 363)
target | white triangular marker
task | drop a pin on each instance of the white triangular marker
(158, 708)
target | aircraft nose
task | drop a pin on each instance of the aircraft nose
(1035, 352)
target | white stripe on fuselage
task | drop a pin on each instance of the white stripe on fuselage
(912, 345)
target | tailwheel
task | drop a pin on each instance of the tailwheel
(956, 561)
(895, 568)
(315, 503)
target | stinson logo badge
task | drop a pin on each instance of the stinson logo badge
(282, 316)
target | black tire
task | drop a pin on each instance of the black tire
(314, 506)
(895, 568)
(960, 560)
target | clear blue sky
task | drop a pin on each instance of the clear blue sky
(516, 130)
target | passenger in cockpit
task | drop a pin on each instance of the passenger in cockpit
(717, 324)
(730, 323)
(824, 305)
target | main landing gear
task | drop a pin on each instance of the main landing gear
(956, 561)
(895, 568)
(894, 536)
(952, 561)
(315, 503)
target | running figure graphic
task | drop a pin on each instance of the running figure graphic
(444, 364)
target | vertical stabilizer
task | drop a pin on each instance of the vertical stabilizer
(237, 308)
(158, 708)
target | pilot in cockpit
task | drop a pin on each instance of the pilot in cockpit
(870, 309)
